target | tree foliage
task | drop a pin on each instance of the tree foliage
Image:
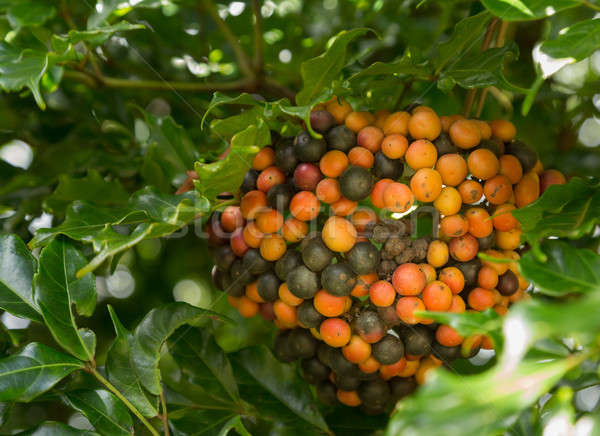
(111, 107)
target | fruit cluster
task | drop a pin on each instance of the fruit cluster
(321, 244)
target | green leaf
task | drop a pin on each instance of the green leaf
(121, 371)
(151, 334)
(236, 424)
(568, 269)
(93, 188)
(575, 42)
(480, 70)
(467, 33)
(22, 69)
(283, 382)
(57, 288)
(226, 128)
(220, 99)
(17, 267)
(406, 65)
(106, 413)
(569, 210)
(169, 154)
(226, 175)
(519, 10)
(198, 348)
(460, 407)
(99, 35)
(190, 421)
(101, 15)
(153, 214)
(29, 13)
(32, 371)
(51, 428)
(472, 323)
(318, 73)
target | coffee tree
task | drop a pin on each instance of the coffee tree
(288, 217)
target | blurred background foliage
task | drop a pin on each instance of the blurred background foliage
(124, 102)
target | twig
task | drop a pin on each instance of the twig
(258, 38)
(243, 60)
(590, 5)
(487, 40)
(499, 43)
(120, 396)
(165, 416)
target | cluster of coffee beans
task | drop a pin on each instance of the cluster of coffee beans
(321, 244)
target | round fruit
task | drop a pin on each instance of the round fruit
(405, 308)
(339, 234)
(398, 197)
(272, 247)
(341, 138)
(549, 178)
(483, 164)
(426, 185)
(417, 340)
(444, 145)
(279, 197)
(305, 206)
(480, 299)
(400, 387)
(388, 350)
(503, 219)
(508, 283)
(263, 159)
(252, 202)
(327, 393)
(269, 220)
(224, 256)
(328, 191)
(453, 169)
(369, 326)
(356, 183)
(333, 163)
(470, 191)
(437, 296)
(384, 167)
(370, 137)
(308, 316)
(396, 123)
(335, 332)
(338, 279)
(268, 286)
(269, 177)
(408, 279)
(463, 248)
(321, 121)
(525, 154)
(303, 283)
(375, 393)
(255, 263)
(313, 371)
(358, 120)
(382, 293)
(421, 154)
(290, 260)
(449, 201)
(465, 134)
(294, 230)
(363, 257)
(309, 149)
(361, 157)
(316, 255)
(348, 398)
(302, 343)
(424, 125)
(285, 158)
(249, 182)
(357, 350)
(281, 347)
(511, 168)
(231, 218)
(498, 189)
(307, 176)
(394, 146)
(437, 254)
(339, 109)
(503, 130)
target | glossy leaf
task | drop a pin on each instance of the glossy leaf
(107, 413)
(567, 270)
(32, 371)
(151, 334)
(22, 69)
(569, 210)
(99, 35)
(100, 15)
(51, 428)
(227, 127)
(480, 70)
(57, 289)
(466, 35)
(319, 72)
(283, 382)
(220, 99)
(170, 153)
(29, 13)
(188, 421)
(577, 42)
(151, 213)
(227, 174)
(121, 371)
(518, 10)
(17, 267)
(461, 407)
(93, 188)
(406, 65)
(198, 347)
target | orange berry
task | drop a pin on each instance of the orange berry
(447, 336)
(333, 163)
(437, 296)
(406, 308)
(454, 225)
(396, 123)
(382, 293)
(231, 218)
(377, 192)
(463, 248)
(449, 201)
(252, 202)
(287, 297)
(453, 169)
(338, 234)
(369, 366)
(454, 278)
(503, 130)
(483, 164)
(480, 223)
(421, 154)
(269, 177)
(408, 279)
(343, 207)
(269, 220)
(329, 305)
(424, 125)
(285, 313)
(426, 184)
(305, 206)
(339, 108)
(272, 247)
(247, 307)
(487, 277)
(348, 398)
(465, 134)
(498, 189)
(361, 157)
(263, 159)
(328, 191)
(370, 137)
(355, 121)
(294, 230)
(398, 197)
(357, 350)
(394, 146)
(252, 235)
(470, 191)
(437, 254)
(335, 332)
(510, 167)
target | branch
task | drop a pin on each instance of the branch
(499, 43)
(164, 417)
(95, 81)
(258, 38)
(243, 60)
(120, 396)
(487, 40)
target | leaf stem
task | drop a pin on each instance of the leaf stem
(165, 416)
(590, 5)
(120, 396)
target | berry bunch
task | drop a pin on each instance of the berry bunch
(320, 243)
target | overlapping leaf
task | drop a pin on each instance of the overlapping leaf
(121, 371)
(17, 267)
(51, 428)
(576, 42)
(519, 10)
(319, 72)
(57, 289)
(107, 413)
(151, 334)
(32, 371)
(99, 35)
(568, 210)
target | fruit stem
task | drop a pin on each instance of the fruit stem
(165, 416)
